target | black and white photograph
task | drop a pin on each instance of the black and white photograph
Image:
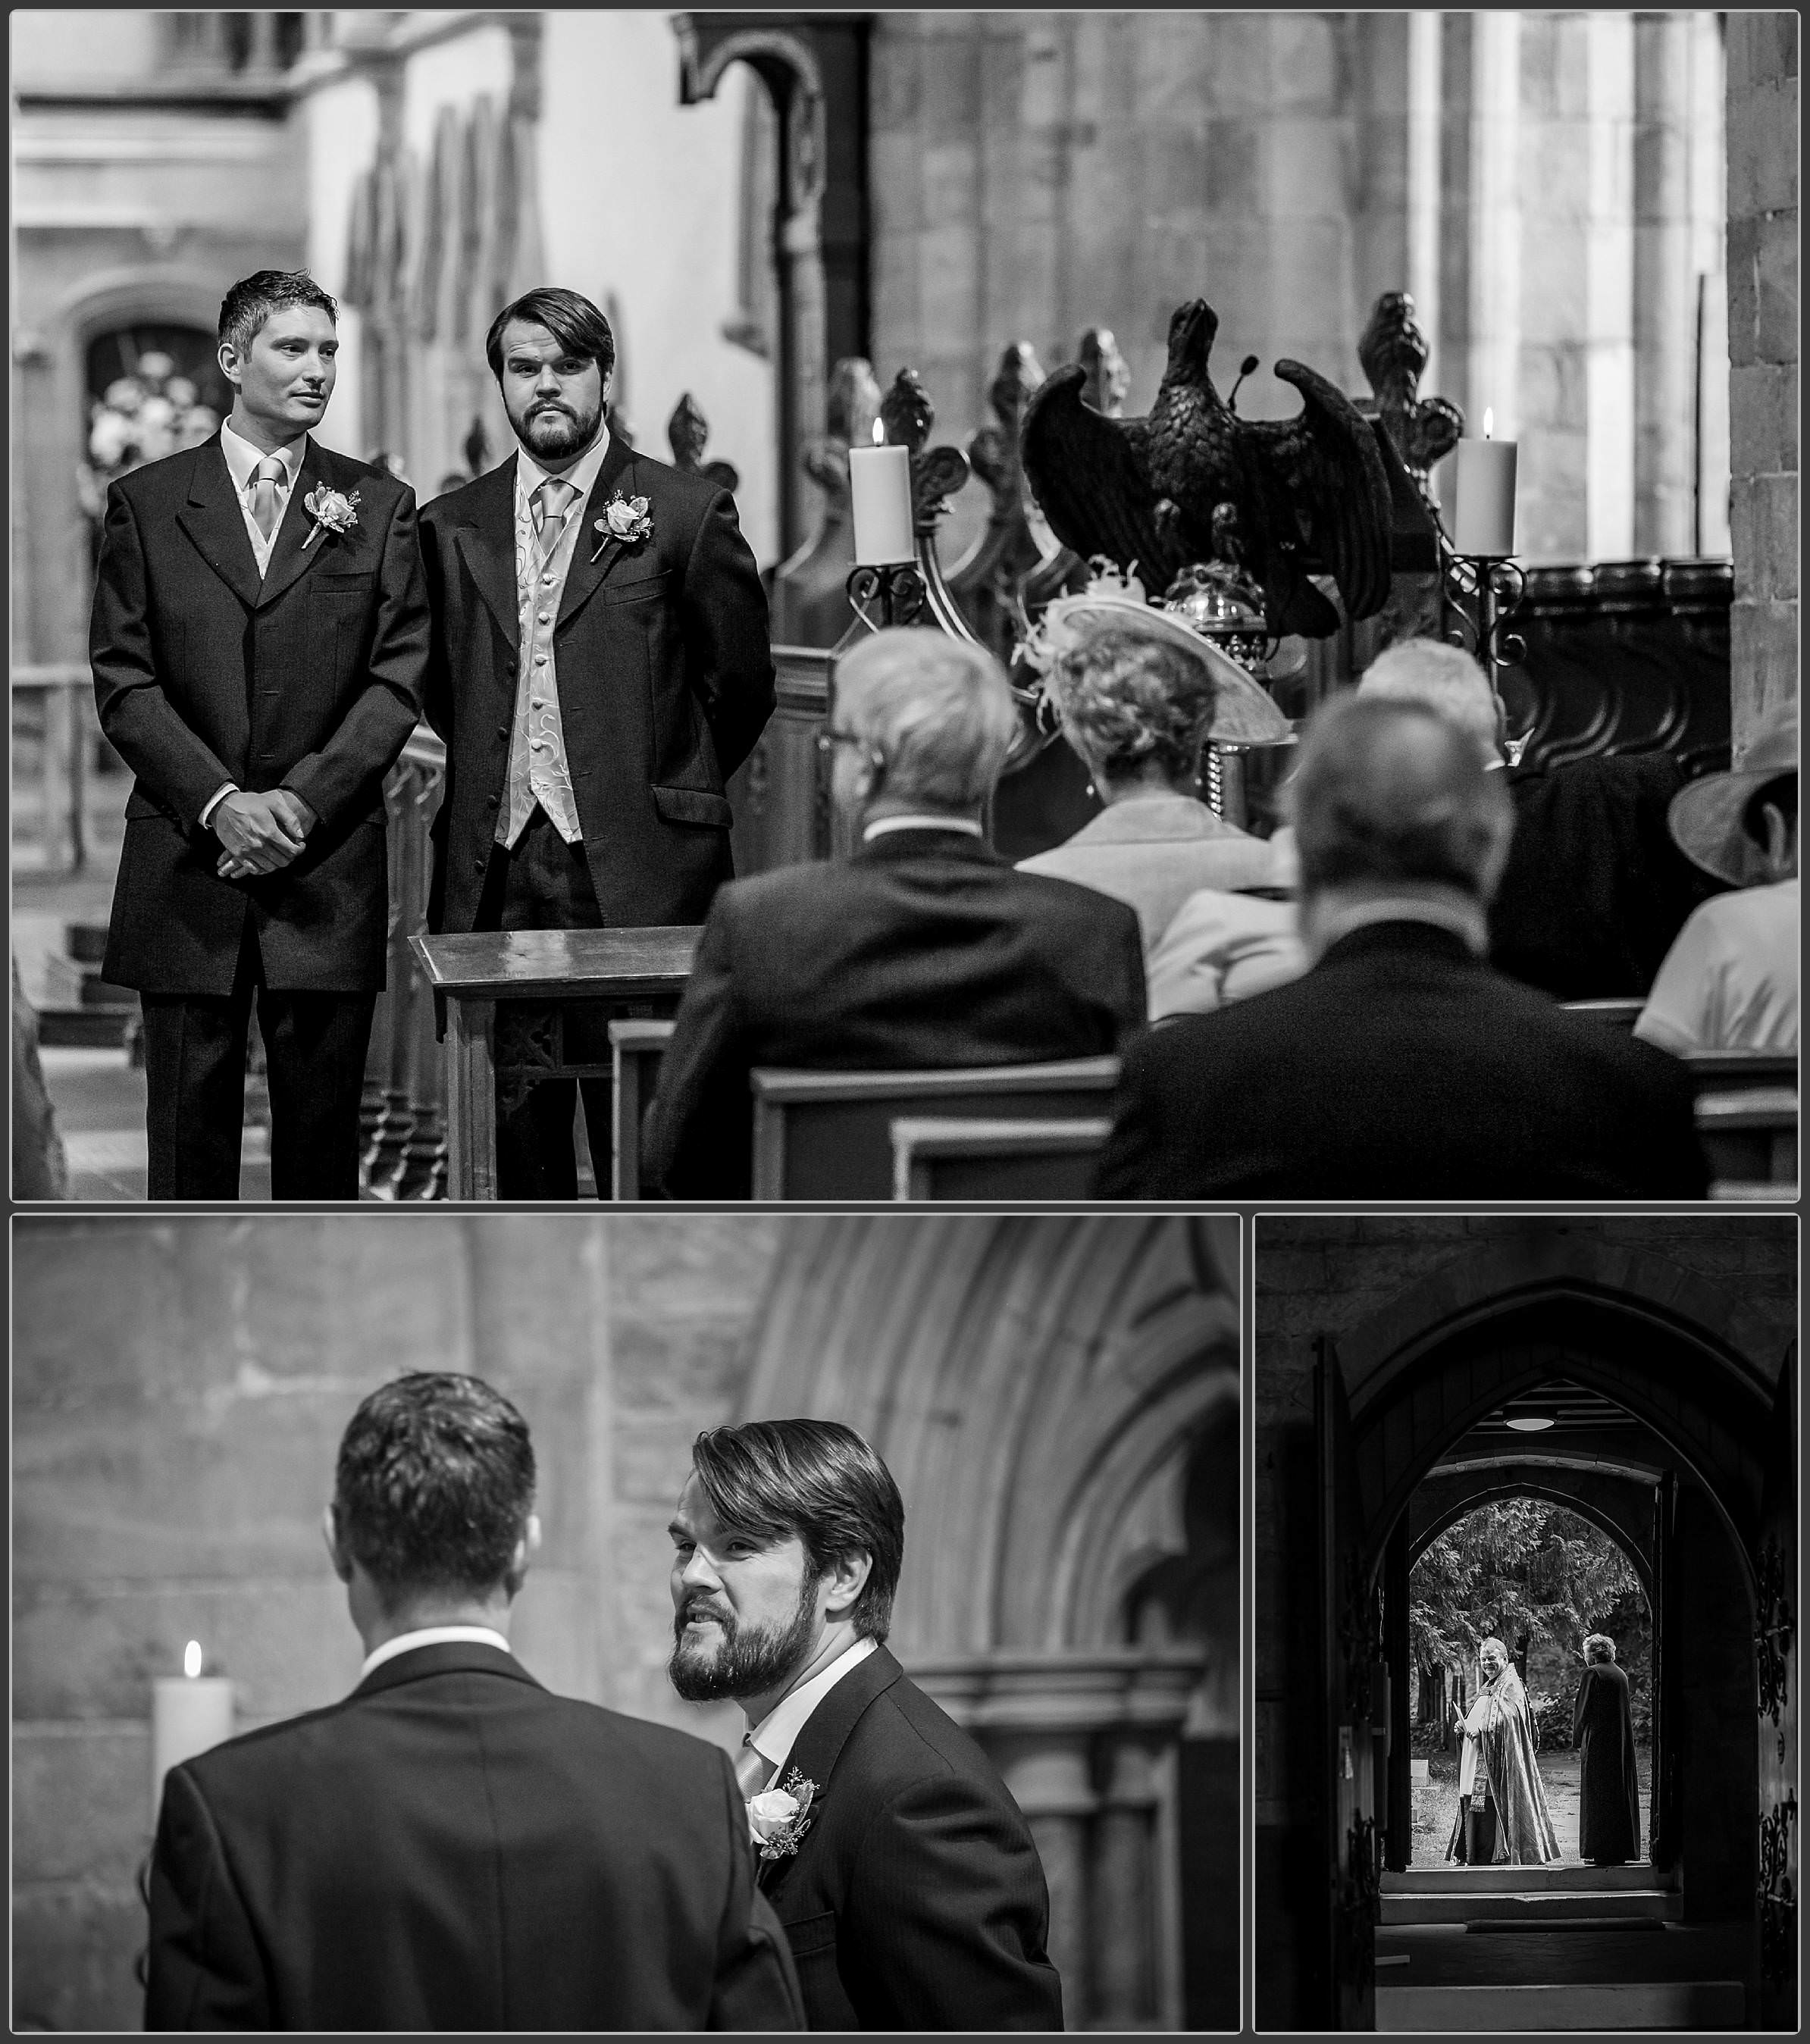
(648, 1621)
(832, 607)
(1525, 1714)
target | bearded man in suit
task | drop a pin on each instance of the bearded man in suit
(259, 639)
(904, 1873)
(452, 1847)
(600, 667)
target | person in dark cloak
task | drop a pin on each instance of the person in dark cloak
(1602, 1725)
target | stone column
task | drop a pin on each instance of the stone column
(1125, 1900)
(1762, 129)
(1609, 288)
(1665, 288)
(1050, 1774)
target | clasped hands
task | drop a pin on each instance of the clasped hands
(261, 833)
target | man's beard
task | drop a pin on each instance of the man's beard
(750, 1659)
(552, 435)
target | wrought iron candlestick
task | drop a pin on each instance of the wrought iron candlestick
(1481, 592)
(892, 595)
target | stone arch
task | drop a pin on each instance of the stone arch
(1071, 1361)
(1495, 1484)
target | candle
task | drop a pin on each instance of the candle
(1483, 519)
(879, 490)
(190, 1712)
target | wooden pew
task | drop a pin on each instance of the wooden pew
(1006, 1161)
(636, 1049)
(1750, 1137)
(1742, 1071)
(1617, 1014)
(828, 1135)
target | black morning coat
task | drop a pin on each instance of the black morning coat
(915, 1900)
(310, 680)
(452, 1847)
(1399, 1067)
(665, 681)
(925, 949)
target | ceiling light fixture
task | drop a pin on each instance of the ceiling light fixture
(1529, 1423)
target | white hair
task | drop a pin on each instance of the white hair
(938, 711)
(1444, 679)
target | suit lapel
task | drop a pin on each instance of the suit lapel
(817, 1748)
(213, 520)
(292, 555)
(486, 545)
(586, 573)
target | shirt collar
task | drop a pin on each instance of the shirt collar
(242, 457)
(881, 825)
(1447, 909)
(529, 474)
(432, 1635)
(776, 1734)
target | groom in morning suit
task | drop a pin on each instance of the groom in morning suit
(258, 637)
(599, 669)
(904, 1873)
(452, 1847)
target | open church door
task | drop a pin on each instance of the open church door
(1776, 1642)
(1348, 1650)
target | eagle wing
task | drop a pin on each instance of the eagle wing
(1090, 476)
(1324, 468)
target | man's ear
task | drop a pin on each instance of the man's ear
(525, 1549)
(336, 1552)
(227, 356)
(844, 1582)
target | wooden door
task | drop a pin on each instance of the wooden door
(1775, 1647)
(1349, 1650)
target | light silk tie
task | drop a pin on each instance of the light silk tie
(265, 479)
(753, 1769)
(549, 507)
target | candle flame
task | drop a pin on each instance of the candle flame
(1489, 421)
(879, 433)
(191, 1659)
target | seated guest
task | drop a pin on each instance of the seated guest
(1222, 946)
(1137, 701)
(1399, 1065)
(1730, 982)
(923, 949)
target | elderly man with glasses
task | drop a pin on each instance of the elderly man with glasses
(923, 949)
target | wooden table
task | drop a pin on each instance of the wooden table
(507, 997)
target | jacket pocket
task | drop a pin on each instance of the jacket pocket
(811, 1934)
(642, 591)
(693, 805)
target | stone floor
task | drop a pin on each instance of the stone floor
(1435, 1802)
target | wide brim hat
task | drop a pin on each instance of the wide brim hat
(1708, 818)
(1243, 712)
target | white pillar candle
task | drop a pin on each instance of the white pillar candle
(189, 1714)
(1483, 519)
(879, 490)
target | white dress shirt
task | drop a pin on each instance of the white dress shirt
(242, 460)
(1730, 981)
(538, 769)
(431, 1636)
(776, 1734)
(882, 826)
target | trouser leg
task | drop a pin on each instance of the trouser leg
(194, 1080)
(315, 1047)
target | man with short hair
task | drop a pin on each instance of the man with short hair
(924, 949)
(258, 638)
(1400, 1065)
(600, 667)
(452, 1847)
(902, 1870)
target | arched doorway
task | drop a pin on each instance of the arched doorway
(1074, 1603)
(1672, 1381)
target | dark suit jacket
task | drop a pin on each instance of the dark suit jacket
(1595, 891)
(453, 1848)
(916, 1899)
(925, 949)
(665, 680)
(1399, 1067)
(309, 681)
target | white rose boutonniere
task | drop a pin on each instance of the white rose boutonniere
(778, 1818)
(624, 518)
(331, 511)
